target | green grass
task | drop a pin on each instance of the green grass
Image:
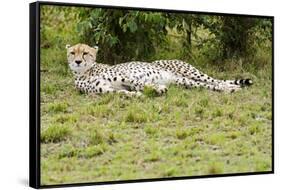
(183, 133)
(55, 133)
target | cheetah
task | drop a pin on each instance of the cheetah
(131, 78)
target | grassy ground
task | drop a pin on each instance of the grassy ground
(183, 133)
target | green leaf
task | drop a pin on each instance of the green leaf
(124, 28)
(121, 20)
(113, 41)
(132, 26)
(97, 36)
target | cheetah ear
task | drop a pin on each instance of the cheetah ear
(67, 46)
(96, 48)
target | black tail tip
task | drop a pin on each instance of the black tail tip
(248, 82)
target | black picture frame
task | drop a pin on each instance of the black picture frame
(34, 95)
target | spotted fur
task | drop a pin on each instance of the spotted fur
(132, 77)
(185, 70)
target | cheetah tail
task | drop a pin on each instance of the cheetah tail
(243, 82)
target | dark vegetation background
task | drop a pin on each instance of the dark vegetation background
(184, 133)
(124, 35)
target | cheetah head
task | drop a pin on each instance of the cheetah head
(80, 57)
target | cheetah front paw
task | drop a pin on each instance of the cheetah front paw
(161, 89)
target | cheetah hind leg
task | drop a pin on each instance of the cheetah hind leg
(188, 83)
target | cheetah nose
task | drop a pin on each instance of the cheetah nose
(78, 62)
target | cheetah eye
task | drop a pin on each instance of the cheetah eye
(72, 53)
(85, 53)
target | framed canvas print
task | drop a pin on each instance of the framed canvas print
(120, 94)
